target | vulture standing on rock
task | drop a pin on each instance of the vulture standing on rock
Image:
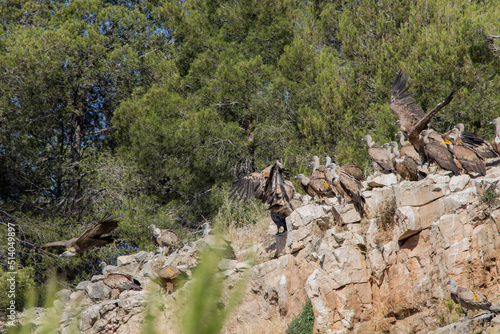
(481, 147)
(496, 141)
(467, 298)
(353, 170)
(91, 238)
(317, 187)
(166, 277)
(119, 282)
(405, 166)
(164, 238)
(350, 188)
(271, 188)
(407, 148)
(439, 154)
(467, 157)
(381, 161)
(412, 119)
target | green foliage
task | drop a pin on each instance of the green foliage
(210, 303)
(304, 323)
(23, 284)
(489, 196)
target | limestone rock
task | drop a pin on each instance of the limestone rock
(382, 180)
(458, 182)
(98, 291)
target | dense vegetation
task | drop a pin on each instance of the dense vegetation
(149, 109)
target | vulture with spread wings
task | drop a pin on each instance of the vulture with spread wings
(93, 237)
(412, 119)
(271, 188)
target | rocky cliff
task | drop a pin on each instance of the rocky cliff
(385, 273)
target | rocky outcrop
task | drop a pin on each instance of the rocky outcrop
(384, 273)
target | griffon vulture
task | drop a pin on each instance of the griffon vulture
(381, 161)
(467, 157)
(317, 187)
(439, 154)
(350, 188)
(91, 238)
(270, 187)
(496, 141)
(405, 165)
(467, 298)
(164, 238)
(119, 282)
(407, 148)
(412, 118)
(167, 277)
(482, 148)
(353, 170)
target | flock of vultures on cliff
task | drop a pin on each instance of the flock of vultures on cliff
(419, 151)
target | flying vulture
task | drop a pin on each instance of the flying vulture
(439, 154)
(91, 238)
(482, 148)
(354, 170)
(467, 157)
(381, 161)
(496, 141)
(271, 188)
(164, 238)
(412, 119)
(167, 277)
(119, 282)
(350, 188)
(467, 298)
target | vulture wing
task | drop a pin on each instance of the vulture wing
(442, 157)
(92, 236)
(246, 187)
(122, 282)
(403, 104)
(472, 299)
(62, 243)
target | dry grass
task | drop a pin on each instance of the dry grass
(385, 215)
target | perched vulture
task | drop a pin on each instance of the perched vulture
(381, 161)
(407, 148)
(467, 157)
(481, 147)
(350, 188)
(91, 238)
(317, 187)
(217, 243)
(467, 298)
(412, 119)
(388, 149)
(270, 187)
(164, 238)
(320, 171)
(439, 154)
(167, 277)
(496, 141)
(119, 282)
(405, 165)
(353, 170)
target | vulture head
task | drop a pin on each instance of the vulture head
(69, 252)
(206, 229)
(328, 161)
(368, 139)
(460, 127)
(452, 285)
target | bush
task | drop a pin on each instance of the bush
(304, 323)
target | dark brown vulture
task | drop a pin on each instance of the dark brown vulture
(90, 239)
(349, 188)
(467, 157)
(407, 148)
(405, 165)
(119, 282)
(439, 154)
(353, 170)
(164, 238)
(482, 148)
(468, 299)
(381, 161)
(496, 141)
(412, 118)
(271, 188)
